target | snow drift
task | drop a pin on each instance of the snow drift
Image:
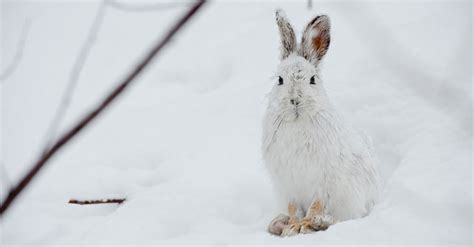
(183, 146)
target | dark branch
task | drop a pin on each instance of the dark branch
(71, 133)
(88, 202)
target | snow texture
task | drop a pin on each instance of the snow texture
(183, 145)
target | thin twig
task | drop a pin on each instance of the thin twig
(18, 54)
(74, 76)
(89, 117)
(103, 201)
(81, 59)
(145, 7)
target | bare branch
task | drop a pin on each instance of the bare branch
(105, 103)
(81, 59)
(145, 7)
(18, 54)
(103, 201)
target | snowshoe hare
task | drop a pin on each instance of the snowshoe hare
(322, 169)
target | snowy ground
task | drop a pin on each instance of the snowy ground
(183, 145)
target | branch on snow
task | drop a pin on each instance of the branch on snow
(104, 201)
(98, 109)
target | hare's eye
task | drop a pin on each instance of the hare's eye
(311, 81)
(280, 80)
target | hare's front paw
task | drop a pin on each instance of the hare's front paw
(306, 226)
(278, 224)
(291, 229)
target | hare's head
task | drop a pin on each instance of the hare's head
(298, 88)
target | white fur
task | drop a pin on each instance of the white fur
(310, 153)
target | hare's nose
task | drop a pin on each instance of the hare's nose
(294, 102)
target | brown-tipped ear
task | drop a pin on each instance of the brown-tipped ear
(316, 39)
(287, 35)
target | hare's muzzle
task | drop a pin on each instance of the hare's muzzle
(294, 102)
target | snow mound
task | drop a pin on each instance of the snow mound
(183, 146)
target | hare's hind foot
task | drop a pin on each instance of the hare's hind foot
(278, 224)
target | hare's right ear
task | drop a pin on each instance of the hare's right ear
(287, 35)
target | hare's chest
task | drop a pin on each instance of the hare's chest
(297, 161)
(303, 144)
(298, 150)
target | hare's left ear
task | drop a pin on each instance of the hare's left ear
(316, 39)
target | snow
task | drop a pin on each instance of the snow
(183, 145)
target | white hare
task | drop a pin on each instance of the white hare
(320, 167)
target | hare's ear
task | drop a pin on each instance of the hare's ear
(316, 39)
(287, 35)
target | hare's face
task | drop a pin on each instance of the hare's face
(298, 89)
